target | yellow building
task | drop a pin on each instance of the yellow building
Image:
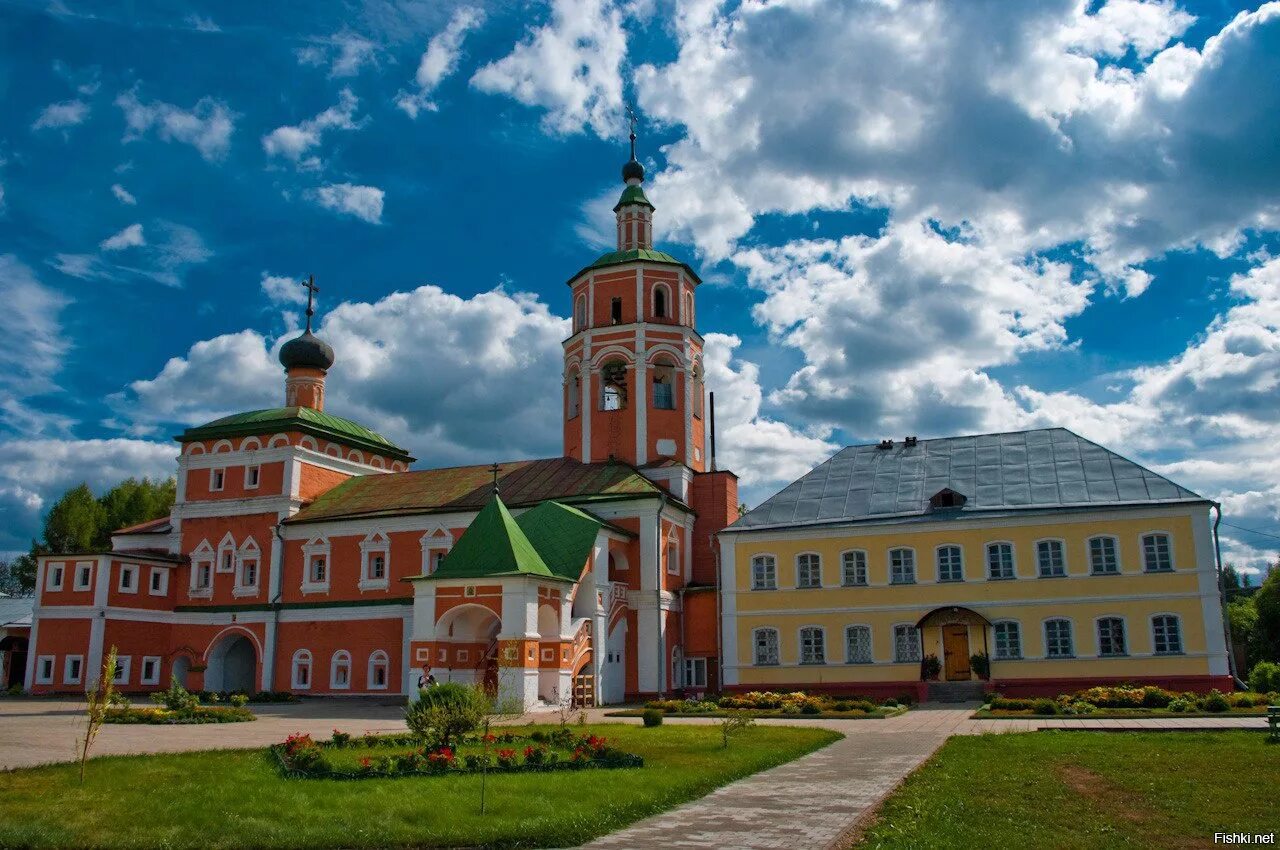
(1062, 562)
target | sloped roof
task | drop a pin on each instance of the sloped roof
(1015, 471)
(633, 255)
(467, 488)
(15, 611)
(160, 525)
(493, 545)
(305, 419)
(564, 536)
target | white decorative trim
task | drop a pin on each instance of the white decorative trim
(154, 678)
(68, 678)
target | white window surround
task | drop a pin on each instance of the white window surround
(150, 674)
(252, 476)
(217, 479)
(808, 570)
(1104, 560)
(906, 644)
(44, 670)
(1112, 636)
(123, 665)
(158, 584)
(128, 582)
(765, 650)
(435, 543)
(316, 548)
(201, 579)
(1059, 638)
(1002, 563)
(300, 678)
(673, 553)
(226, 554)
(340, 670)
(378, 662)
(53, 577)
(1051, 557)
(858, 648)
(1166, 632)
(73, 670)
(853, 568)
(375, 545)
(949, 561)
(902, 565)
(764, 572)
(1158, 556)
(695, 672)
(84, 575)
(1007, 640)
(249, 554)
(813, 645)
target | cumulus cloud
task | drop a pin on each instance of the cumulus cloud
(164, 259)
(440, 60)
(59, 116)
(283, 290)
(345, 53)
(363, 202)
(130, 237)
(570, 66)
(294, 141)
(207, 126)
(122, 195)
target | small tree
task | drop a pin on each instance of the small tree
(100, 695)
(445, 713)
(733, 722)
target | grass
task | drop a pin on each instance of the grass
(1067, 789)
(1116, 713)
(238, 799)
(774, 714)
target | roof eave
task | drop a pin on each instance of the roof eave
(206, 432)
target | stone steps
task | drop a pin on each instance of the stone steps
(956, 691)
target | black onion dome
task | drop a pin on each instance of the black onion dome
(633, 170)
(308, 351)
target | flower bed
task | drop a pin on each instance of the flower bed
(347, 757)
(1129, 701)
(771, 704)
(183, 716)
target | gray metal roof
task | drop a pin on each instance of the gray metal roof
(16, 610)
(1020, 470)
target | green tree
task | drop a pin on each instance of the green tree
(1267, 630)
(75, 522)
(133, 501)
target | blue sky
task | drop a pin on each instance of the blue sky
(912, 218)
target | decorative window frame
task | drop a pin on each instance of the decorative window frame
(217, 476)
(669, 303)
(375, 543)
(1142, 550)
(163, 574)
(1071, 631)
(55, 576)
(914, 577)
(301, 660)
(133, 571)
(337, 661)
(254, 481)
(154, 678)
(871, 647)
(844, 571)
(67, 677)
(772, 583)
(226, 562)
(1013, 560)
(436, 539)
(1124, 636)
(249, 551)
(937, 562)
(808, 586)
(1182, 639)
(1062, 546)
(45, 663)
(692, 677)
(672, 554)
(919, 647)
(85, 569)
(124, 668)
(378, 658)
(202, 554)
(1115, 545)
(995, 643)
(777, 647)
(800, 637)
(317, 546)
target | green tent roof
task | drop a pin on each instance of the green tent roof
(632, 195)
(564, 536)
(493, 545)
(305, 419)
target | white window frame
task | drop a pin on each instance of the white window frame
(154, 678)
(376, 659)
(435, 544)
(1013, 560)
(202, 555)
(769, 579)
(695, 672)
(254, 481)
(1062, 557)
(937, 562)
(54, 576)
(756, 634)
(227, 551)
(336, 662)
(673, 553)
(1115, 551)
(805, 580)
(124, 667)
(218, 476)
(1124, 635)
(1048, 643)
(131, 570)
(849, 561)
(301, 660)
(374, 544)
(908, 564)
(317, 547)
(67, 677)
(1177, 624)
(163, 574)
(816, 654)
(849, 656)
(997, 655)
(917, 651)
(45, 663)
(1168, 545)
(85, 569)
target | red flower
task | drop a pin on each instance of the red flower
(489, 739)
(506, 754)
(364, 762)
(528, 751)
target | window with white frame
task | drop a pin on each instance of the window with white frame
(1111, 639)
(123, 664)
(853, 568)
(695, 672)
(249, 572)
(217, 479)
(813, 645)
(84, 576)
(435, 545)
(44, 670)
(227, 555)
(950, 563)
(1157, 553)
(150, 670)
(378, 671)
(53, 577)
(906, 643)
(72, 669)
(857, 644)
(202, 576)
(315, 555)
(1008, 640)
(766, 647)
(1051, 562)
(128, 578)
(1000, 560)
(375, 558)
(301, 678)
(340, 670)
(1166, 634)
(252, 477)
(1058, 640)
(673, 554)
(1103, 557)
(809, 570)
(902, 566)
(159, 584)
(764, 573)
(318, 569)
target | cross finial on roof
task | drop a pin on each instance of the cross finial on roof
(631, 119)
(495, 469)
(312, 289)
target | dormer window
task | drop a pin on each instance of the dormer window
(947, 498)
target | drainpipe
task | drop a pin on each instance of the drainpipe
(662, 647)
(1222, 600)
(278, 579)
(715, 550)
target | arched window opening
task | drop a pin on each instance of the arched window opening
(660, 302)
(378, 668)
(340, 670)
(301, 670)
(613, 379)
(580, 314)
(664, 388)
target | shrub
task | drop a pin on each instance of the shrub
(999, 703)
(176, 697)
(811, 706)
(652, 717)
(1044, 706)
(1264, 677)
(1079, 707)
(446, 712)
(1215, 702)
(1153, 697)
(1179, 705)
(239, 700)
(340, 739)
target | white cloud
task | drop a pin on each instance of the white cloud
(439, 60)
(202, 23)
(363, 202)
(283, 290)
(68, 113)
(345, 53)
(32, 340)
(130, 237)
(571, 66)
(122, 195)
(207, 126)
(292, 142)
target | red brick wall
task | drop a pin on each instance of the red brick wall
(715, 500)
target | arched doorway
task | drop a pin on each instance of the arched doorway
(233, 665)
(469, 632)
(13, 650)
(181, 668)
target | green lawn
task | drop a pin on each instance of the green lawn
(1085, 790)
(237, 799)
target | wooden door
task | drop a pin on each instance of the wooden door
(955, 651)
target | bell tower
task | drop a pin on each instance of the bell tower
(633, 380)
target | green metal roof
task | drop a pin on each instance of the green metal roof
(632, 195)
(645, 255)
(493, 545)
(564, 536)
(305, 419)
